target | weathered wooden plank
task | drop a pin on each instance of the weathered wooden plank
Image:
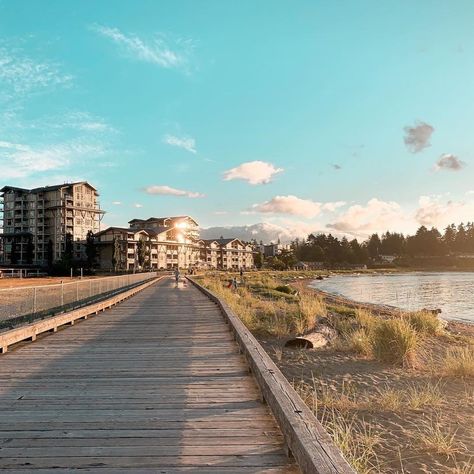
(132, 462)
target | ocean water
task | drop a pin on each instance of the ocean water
(452, 292)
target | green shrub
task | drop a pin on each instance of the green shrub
(284, 289)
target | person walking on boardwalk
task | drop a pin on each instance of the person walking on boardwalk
(176, 276)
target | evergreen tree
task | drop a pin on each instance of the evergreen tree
(374, 246)
(141, 252)
(91, 249)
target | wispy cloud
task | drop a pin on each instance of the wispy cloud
(417, 138)
(254, 172)
(186, 143)
(19, 160)
(21, 74)
(167, 190)
(450, 162)
(156, 50)
(138, 206)
(293, 205)
(117, 203)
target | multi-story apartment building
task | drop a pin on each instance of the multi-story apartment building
(166, 243)
(35, 219)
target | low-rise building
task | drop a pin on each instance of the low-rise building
(168, 242)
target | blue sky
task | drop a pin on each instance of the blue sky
(349, 116)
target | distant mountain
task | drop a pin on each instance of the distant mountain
(263, 231)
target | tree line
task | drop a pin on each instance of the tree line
(325, 248)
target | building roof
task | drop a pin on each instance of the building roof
(46, 188)
(154, 232)
(157, 230)
(124, 229)
(12, 188)
(151, 219)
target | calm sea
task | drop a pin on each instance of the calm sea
(453, 293)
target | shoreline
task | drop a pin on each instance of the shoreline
(453, 326)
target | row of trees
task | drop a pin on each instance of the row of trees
(424, 243)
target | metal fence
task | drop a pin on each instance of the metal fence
(38, 300)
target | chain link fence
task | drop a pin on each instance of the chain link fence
(25, 303)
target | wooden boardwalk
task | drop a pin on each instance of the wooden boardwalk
(155, 384)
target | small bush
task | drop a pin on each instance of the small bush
(459, 362)
(284, 289)
(395, 341)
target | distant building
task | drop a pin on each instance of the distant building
(169, 242)
(273, 250)
(35, 219)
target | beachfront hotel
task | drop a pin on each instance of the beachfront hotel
(167, 243)
(35, 219)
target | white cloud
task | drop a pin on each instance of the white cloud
(432, 211)
(417, 138)
(255, 172)
(295, 206)
(116, 203)
(167, 190)
(155, 51)
(138, 205)
(187, 143)
(377, 215)
(448, 161)
(24, 75)
(220, 213)
(19, 160)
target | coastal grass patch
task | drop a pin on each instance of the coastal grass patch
(459, 362)
(360, 342)
(394, 341)
(433, 436)
(356, 438)
(425, 322)
(426, 395)
(309, 309)
(390, 399)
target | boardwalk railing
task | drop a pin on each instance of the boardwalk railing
(38, 300)
(30, 331)
(306, 438)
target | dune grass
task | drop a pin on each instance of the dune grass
(459, 362)
(396, 342)
(425, 322)
(433, 437)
